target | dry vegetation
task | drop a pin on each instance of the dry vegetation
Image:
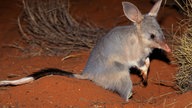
(48, 28)
(183, 49)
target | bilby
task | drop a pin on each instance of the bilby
(115, 53)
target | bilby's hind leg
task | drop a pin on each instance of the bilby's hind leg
(144, 71)
(119, 82)
(124, 86)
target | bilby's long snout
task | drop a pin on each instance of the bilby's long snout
(165, 47)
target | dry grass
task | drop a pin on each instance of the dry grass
(183, 50)
(48, 28)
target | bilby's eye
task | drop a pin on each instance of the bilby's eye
(152, 36)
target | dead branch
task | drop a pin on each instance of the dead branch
(48, 25)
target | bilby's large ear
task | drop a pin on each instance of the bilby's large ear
(155, 9)
(132, 12)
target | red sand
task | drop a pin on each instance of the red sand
(59, 91)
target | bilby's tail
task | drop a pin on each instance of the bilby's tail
(39, 74)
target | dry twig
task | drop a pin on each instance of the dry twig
(47, 25)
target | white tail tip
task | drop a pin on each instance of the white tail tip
(17, 82)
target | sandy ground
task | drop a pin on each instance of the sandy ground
(59, 91)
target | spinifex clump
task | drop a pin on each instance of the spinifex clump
(183, 50)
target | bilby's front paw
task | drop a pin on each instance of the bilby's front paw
(144, 71)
